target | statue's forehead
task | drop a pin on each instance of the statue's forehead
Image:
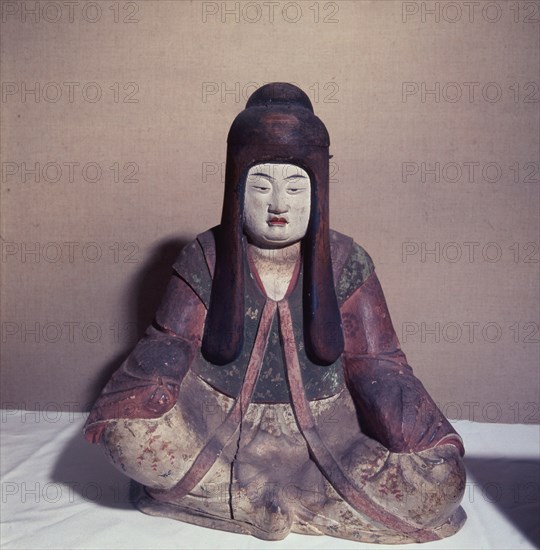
(278, 170)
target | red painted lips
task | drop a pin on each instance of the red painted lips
(277, 221)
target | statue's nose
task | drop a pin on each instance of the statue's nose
(278, 204)
(277, 209)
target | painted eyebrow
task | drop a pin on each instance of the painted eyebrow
(296, 176)
(262, 174)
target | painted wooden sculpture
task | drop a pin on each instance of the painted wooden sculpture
(270, 395)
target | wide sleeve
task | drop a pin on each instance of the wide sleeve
(147, 384)
(394, 407)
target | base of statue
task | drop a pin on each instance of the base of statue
(351, 529)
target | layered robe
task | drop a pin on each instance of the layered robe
(272, 442)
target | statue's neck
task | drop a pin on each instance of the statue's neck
(275, 267)
(286, 255)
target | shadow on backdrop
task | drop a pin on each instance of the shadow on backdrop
(513, 486)
(82, 466)
(85, 470)
(142, 298)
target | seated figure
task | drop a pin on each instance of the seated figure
(270, 395)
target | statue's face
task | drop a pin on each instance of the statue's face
(277, 204)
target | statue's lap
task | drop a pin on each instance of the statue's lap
(265, 483)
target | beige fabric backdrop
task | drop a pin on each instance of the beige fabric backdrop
(114, 121)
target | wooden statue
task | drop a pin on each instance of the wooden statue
(270, 394)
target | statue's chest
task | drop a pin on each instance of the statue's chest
(272, 384)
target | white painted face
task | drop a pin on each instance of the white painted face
(277, 204)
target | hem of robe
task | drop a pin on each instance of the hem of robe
(319, 525)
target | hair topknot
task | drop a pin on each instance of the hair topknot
(278, 114)
(279, 93)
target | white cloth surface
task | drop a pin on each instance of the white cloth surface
(58, 491)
